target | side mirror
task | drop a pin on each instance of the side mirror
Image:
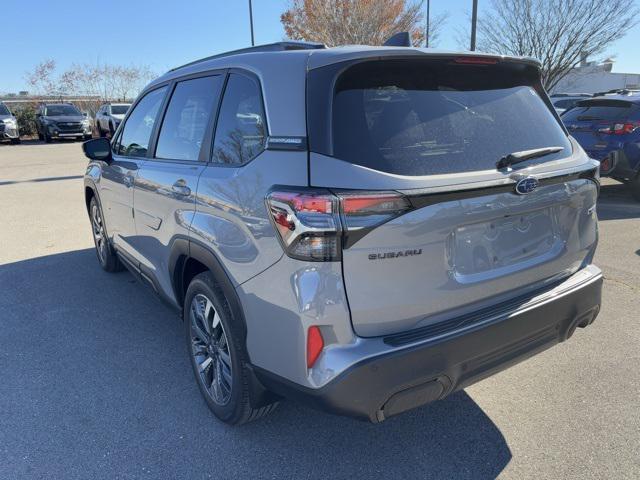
(98, 149)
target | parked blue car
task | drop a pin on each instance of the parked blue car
(608, 128)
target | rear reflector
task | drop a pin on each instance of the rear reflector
(315, 344)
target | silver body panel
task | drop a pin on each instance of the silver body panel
(163, 205)
(231, 216)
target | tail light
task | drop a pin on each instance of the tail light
(618, 128)
(307, 222)
(314, 224)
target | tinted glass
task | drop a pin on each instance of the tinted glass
(61, 111)
(187, 117)
(566, 103)
(4, 110)
(135, 137)
(423, 118)
(119, 109)
(241, 131)
(602, 110)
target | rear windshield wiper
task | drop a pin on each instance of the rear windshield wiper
(517, 157)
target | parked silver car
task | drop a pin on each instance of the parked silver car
(366, 229)
(109, 116)
(9, 129)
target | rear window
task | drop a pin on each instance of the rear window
(566, 103)
(599, 110)
(422, 118)
(119, 109)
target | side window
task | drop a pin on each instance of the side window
(241, 129)
(184, 125)
(135, 137)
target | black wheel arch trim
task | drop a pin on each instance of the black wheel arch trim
(184, 249)
(187, 248)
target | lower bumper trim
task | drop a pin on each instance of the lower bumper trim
(394, 382)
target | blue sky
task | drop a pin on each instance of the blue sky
(166, 34)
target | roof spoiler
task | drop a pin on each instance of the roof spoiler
(400, 39)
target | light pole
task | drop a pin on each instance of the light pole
(251, 22)
(474, 21)
(426, 35)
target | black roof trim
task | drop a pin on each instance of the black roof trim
(270, 47)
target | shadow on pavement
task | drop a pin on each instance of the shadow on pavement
(44, 179)
(95, 383)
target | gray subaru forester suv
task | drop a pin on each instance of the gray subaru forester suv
(365, 229)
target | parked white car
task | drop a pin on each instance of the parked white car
(109, 117)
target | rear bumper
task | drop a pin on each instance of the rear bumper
(391, 383)
(621, 164)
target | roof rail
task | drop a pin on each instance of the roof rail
(270, 47)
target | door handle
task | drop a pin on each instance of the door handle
(180, 187)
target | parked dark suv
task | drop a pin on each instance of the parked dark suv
(366, 229)
(61, 120)
(608, 128)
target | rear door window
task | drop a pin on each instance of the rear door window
(241, 129)
(184, 125)
(599, 110)
(135, 137)
(423, 118)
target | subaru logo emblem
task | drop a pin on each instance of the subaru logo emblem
(526, 185)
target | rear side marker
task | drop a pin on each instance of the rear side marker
(315, 344)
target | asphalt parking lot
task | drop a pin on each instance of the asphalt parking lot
(95, 381)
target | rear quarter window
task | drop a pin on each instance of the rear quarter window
(423, 118)
(600, 110)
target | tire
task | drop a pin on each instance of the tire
(216, 349)
(15, 141)
(100, 131)
(107, 258)
(112, 130)
(47, 137)
(40, 137)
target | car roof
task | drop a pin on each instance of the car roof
(283, 72)
(316, 57)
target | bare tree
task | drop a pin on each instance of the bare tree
(348, 22)
(109, 82)
(556, 32)
(41, 79)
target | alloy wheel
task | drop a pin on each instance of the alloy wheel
(98, 233)
(210, 349)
